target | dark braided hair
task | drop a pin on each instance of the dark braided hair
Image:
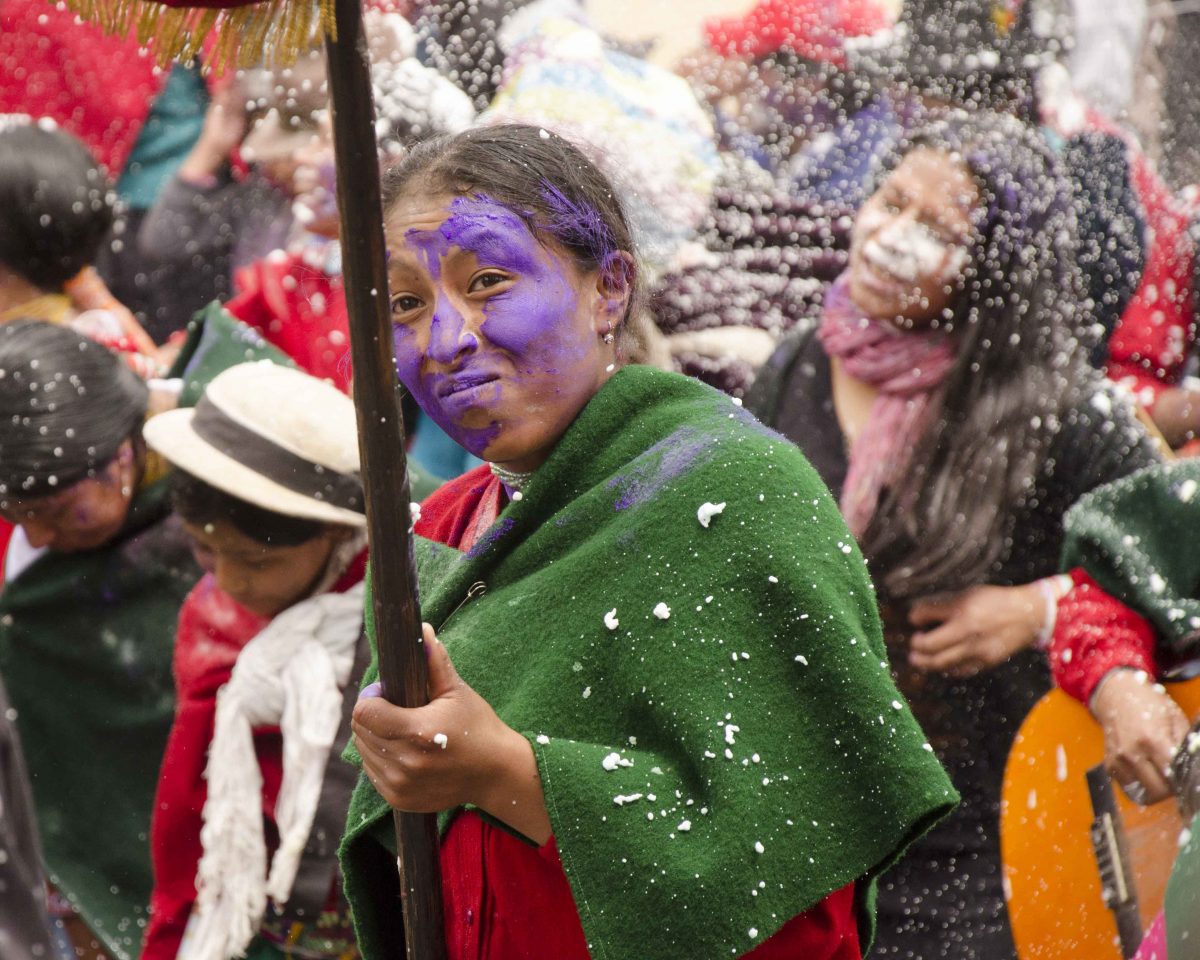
(67, 404)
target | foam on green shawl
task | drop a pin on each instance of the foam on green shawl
(766, 758)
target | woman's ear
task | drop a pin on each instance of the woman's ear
(615, 280)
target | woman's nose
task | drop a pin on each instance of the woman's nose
(450, 335)
(230, 580)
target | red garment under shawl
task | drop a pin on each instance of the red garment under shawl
(1096, 633)
(507, 900)
(211, 633)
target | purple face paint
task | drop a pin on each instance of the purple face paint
(476, 363)
(661, 464)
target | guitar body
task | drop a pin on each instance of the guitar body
(1051, 879)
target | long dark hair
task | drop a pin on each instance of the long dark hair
(538, 175)
(1022, 366)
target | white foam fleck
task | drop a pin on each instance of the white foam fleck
(615, 760)
(707, 511)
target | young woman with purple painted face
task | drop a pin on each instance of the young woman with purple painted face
(498, 335)
(575, 607)
(945, 399)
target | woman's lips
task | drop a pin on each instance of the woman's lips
(456, 395)
(462, 383)
(880, 280)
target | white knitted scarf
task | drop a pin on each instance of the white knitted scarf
(291, 674)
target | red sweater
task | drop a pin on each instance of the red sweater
(1095, 633)
(507, 900)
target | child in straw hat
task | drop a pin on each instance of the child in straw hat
(268, 489)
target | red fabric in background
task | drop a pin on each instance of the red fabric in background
(301, 310)
(211, 633)
(6, 533)
(508, 900)
(1095, 633)
(814, 29)
(1151, 344)
(96, 86)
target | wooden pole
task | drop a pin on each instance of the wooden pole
(402, 666)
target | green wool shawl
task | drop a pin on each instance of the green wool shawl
(1134, 537)
(216, 340)
(1181, 908)
(86, 641)
(709, 775)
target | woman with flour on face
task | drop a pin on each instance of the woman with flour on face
(626, 615)
(945, 400)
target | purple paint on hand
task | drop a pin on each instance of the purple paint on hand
(371, 690)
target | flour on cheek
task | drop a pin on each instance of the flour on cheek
(910, 252)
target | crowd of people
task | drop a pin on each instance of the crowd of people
(781, 428)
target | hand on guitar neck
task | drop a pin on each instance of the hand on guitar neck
(1143, 728)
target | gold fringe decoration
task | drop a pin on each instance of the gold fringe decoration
(270, 33)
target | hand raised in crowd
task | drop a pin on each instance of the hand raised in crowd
(976, 629)
(451, 752)
(224, 128)
(1143, 727)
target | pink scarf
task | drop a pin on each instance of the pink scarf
(906, 367)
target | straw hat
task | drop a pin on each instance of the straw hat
(272, 436)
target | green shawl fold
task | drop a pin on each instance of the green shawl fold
(216, 341)
(86, 642)
(1181, 909)
(709, 775)
(1134, 537)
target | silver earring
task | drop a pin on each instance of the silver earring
(608, 337)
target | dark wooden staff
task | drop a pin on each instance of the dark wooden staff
(402, 666)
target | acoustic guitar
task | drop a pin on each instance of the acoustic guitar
(1085, 868)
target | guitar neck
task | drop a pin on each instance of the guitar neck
(1112, 857)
